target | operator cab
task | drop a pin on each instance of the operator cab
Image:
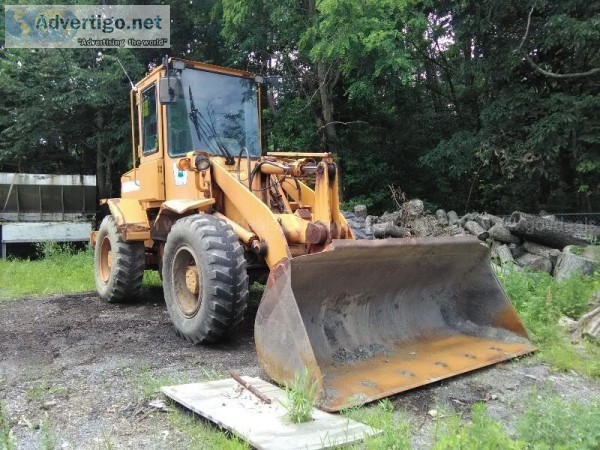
(210, 111)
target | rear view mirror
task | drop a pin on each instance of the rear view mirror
(169, 88)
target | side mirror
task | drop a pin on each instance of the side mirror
(168, 90)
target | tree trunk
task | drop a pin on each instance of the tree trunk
(103, 163)
(552, 233)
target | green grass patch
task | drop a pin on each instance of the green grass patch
(60, 270)
(202, 434)
(148, 383)
(300, 397)
(7, 439)
(40, 391)
(540, 301)
(64, 271)
(395, 425)
(548, 422)
(482, 432)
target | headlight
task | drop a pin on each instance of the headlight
(202, 162)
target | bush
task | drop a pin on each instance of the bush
(552, 422)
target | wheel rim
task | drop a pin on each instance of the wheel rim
(106, 257)
(187, 282)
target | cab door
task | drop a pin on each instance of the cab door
(147, 180)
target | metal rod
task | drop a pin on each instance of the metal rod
(251, 388)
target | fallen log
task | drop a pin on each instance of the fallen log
(442, 217)
(388, 229)
(452, 217)
(542, 250)
(504, 254)
(476, 230)
(551, 232)
(500, 233)
(360, 211)
(589, 324)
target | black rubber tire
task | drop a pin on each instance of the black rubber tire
(121, 280)
(204, 241)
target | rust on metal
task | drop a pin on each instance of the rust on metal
(250, 388)
(373, 318)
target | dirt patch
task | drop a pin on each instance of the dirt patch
(81, 366)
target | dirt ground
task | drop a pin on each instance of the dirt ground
(80, 366)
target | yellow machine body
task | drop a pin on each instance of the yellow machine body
(367, 318)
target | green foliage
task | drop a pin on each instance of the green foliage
(7, 439)
(552, 422)
(202, 434)
(396, 427)
(61, 270)
(49, 439)
(548, 422)
(540, 301)
(300, 397)
(483, 433)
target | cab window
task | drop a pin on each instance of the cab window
(149, 121)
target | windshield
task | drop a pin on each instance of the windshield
(214, 112)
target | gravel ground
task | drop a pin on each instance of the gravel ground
(80, 365)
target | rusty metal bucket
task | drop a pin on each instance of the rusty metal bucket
(373, 318)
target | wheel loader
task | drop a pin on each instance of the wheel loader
(210, 211)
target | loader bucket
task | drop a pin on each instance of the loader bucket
(373, 318)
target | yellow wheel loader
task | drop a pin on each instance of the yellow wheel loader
(204, 206)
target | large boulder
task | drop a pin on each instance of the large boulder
(542, 250)
(535, 262)
(577, 259)
(413, 209)
(360, 211)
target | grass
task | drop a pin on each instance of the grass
(396, 426)
(548, 422)
(148, 383)
(540, 301)
(49, 439)
(300, 397)
(202, 434)
(60, 270)
(7, 440)
(41, 390)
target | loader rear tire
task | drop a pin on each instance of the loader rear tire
(118, 265)
(204, 279)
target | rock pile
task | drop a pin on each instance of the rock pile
(538, 242)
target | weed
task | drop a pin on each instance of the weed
(481, 434)
(395, 426)
(300, 397)
(209, 374)
(105, 442)
(49, 439)
(540, 300)
(39, 391)
(7, 440)
(552, 422)
(202, 434)
(149, 384)
(52, 249)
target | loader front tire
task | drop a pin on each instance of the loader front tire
(118, 265)
(204, 278)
